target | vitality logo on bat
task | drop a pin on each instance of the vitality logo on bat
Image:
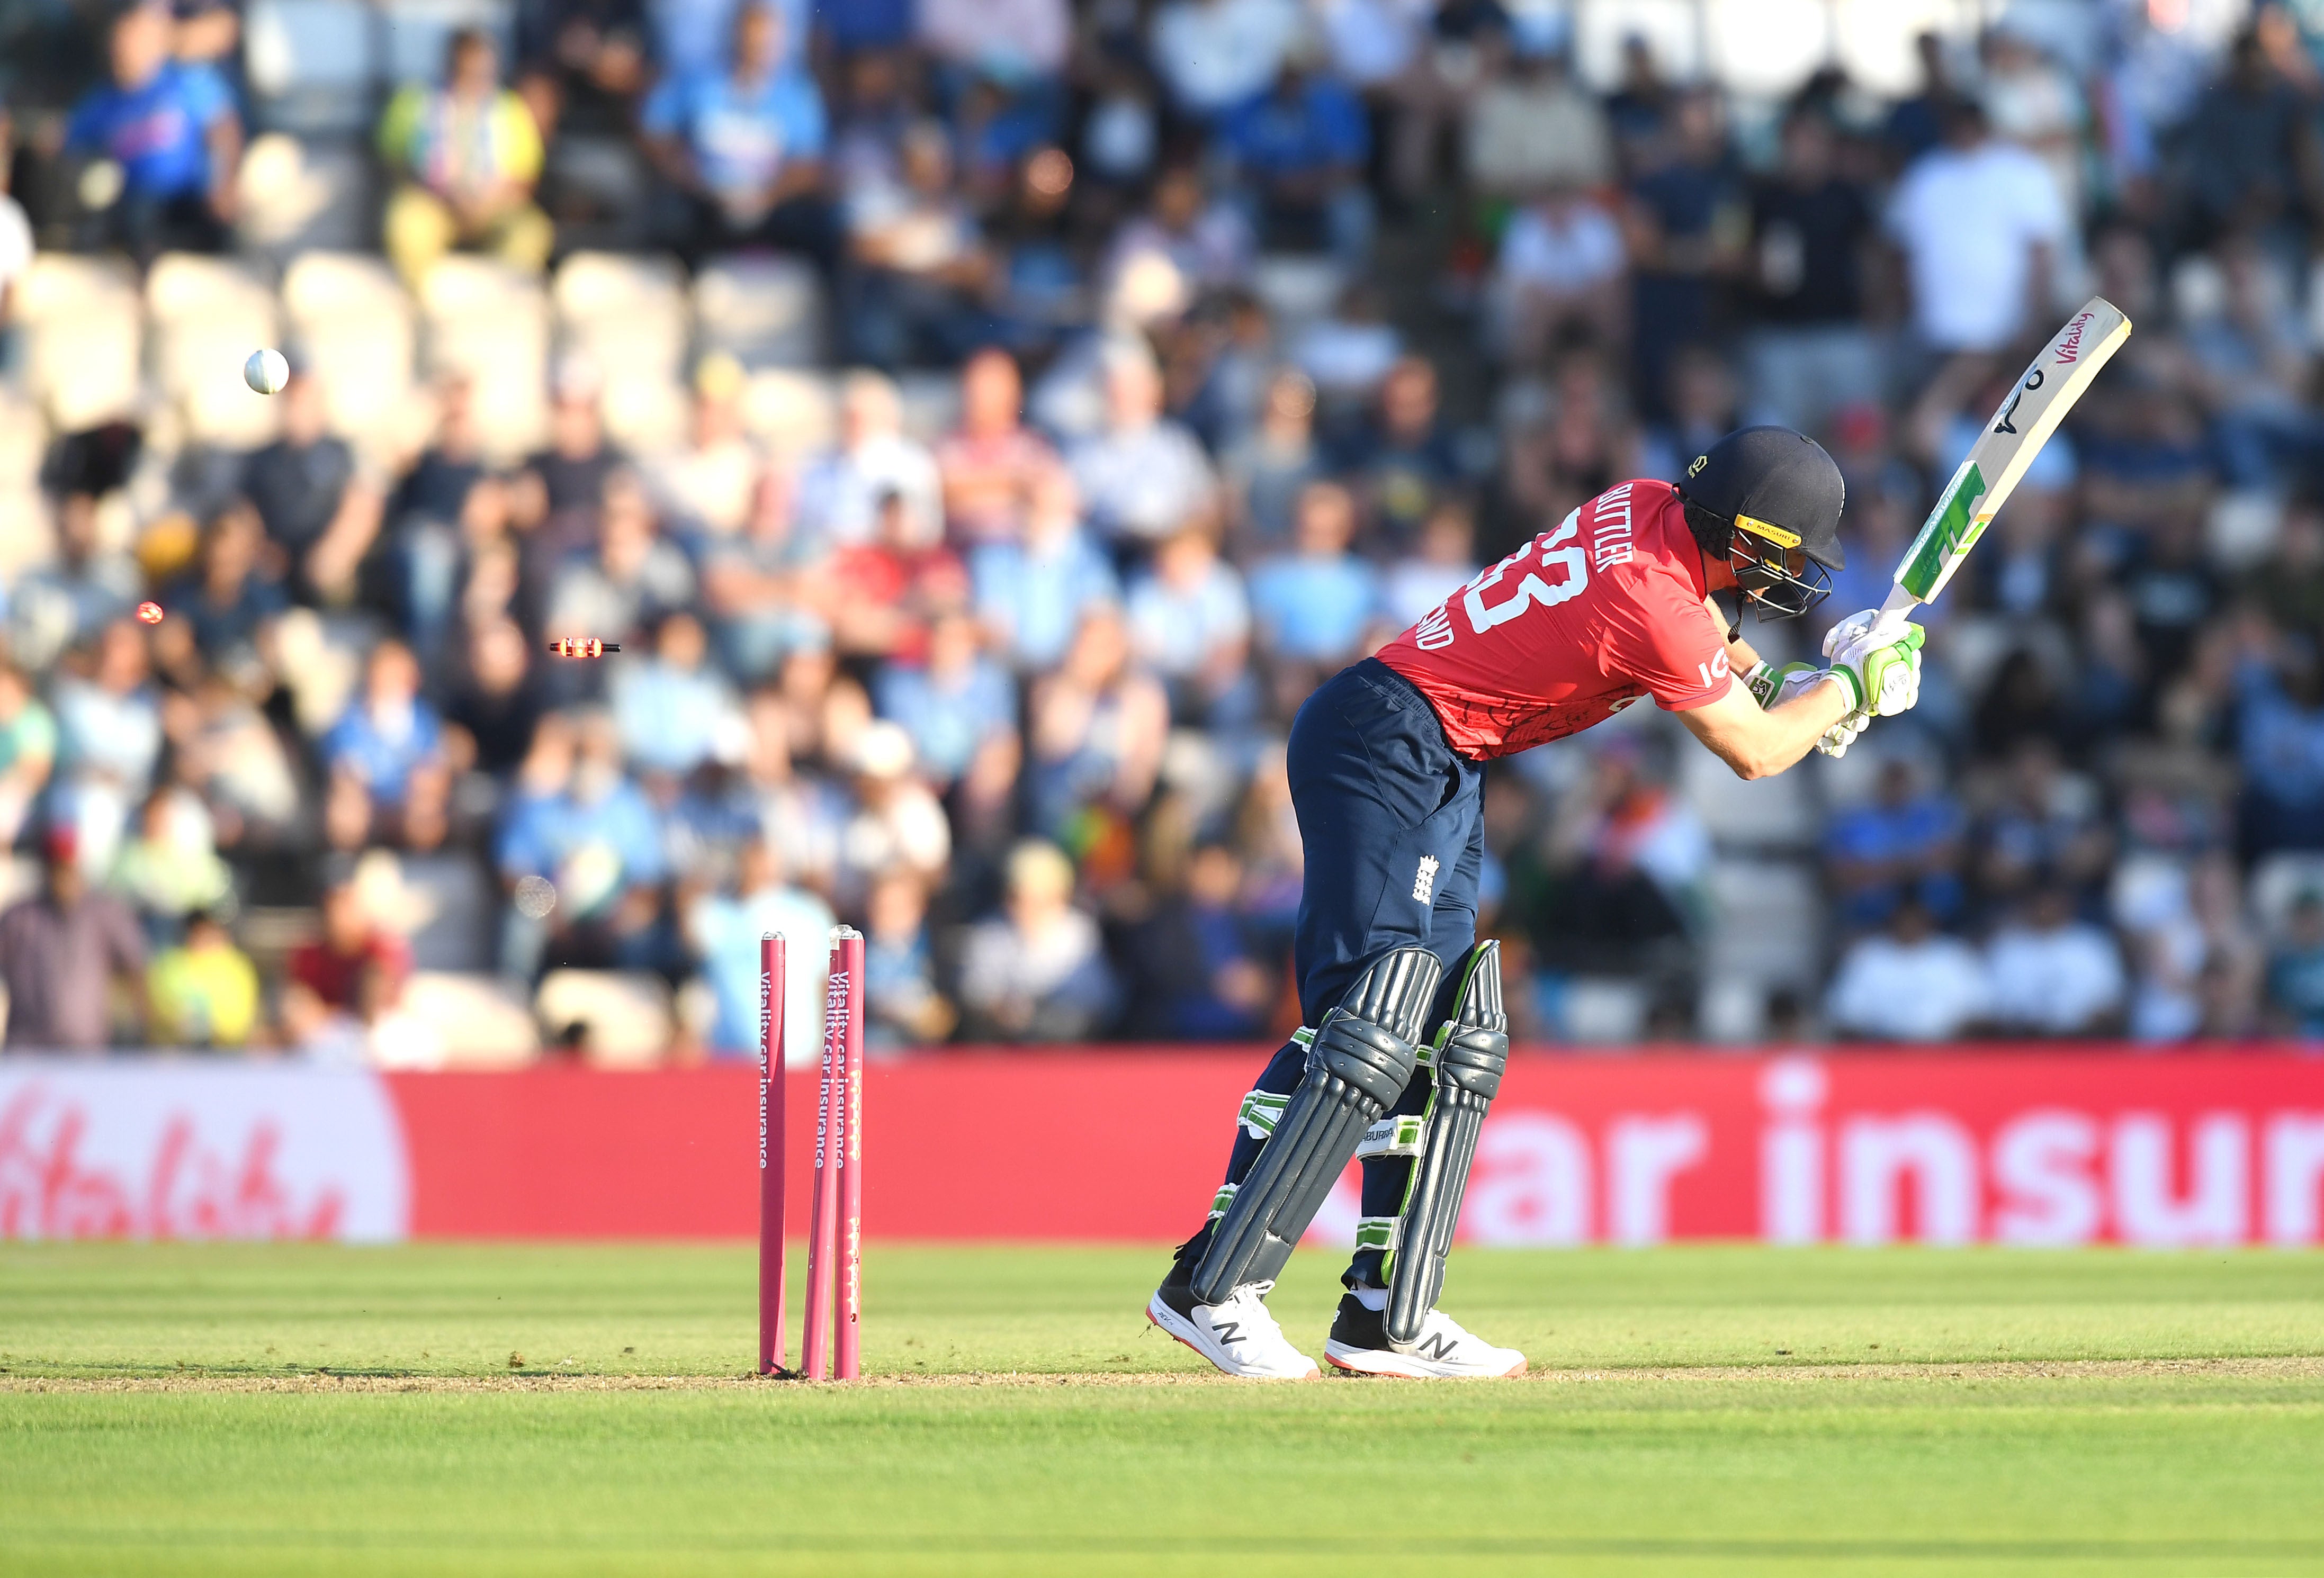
(2069, 339)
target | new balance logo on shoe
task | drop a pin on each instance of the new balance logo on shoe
(1437, 1347)
(1228, 1333)
(1424, 881)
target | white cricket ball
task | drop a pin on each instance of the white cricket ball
(266, 371)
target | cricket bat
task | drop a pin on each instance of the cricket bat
(1990, 473)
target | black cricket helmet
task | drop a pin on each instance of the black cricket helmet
(1767, 501)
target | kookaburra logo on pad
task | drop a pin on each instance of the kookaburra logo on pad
(1424, 881)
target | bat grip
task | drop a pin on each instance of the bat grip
(1896, 613)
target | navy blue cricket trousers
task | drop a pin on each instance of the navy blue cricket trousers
(1391, 818)
(1392, 824)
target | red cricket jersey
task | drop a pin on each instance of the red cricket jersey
(1601, 610)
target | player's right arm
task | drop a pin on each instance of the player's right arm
(1758, 744)
(1880, 675)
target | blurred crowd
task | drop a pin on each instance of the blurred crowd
(1182, 352)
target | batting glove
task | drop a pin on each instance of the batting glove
(1881, 668)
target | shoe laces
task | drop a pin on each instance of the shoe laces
(1250, 1301)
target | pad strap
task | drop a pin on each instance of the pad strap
(1472, 1052)
(1395, 1135)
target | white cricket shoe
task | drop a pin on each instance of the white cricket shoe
(1239, 1336)
(1359, 1345)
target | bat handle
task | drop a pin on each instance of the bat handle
(1896, 613)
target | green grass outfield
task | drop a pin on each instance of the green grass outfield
(581, 1410)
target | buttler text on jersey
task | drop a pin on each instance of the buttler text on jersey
(1609, 544)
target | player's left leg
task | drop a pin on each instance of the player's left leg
(1240, 1337)
(1416, 1164)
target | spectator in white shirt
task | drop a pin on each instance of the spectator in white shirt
(1561, 264)
(2052, 974)
(1208, 241)
(840, 492)
(1216, 54)
(1981, 223)
(1140, 474)
(1036, 971)
(1535, 126)
(708, 484)
(1909, 983)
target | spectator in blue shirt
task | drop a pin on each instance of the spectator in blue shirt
(385, 752)
(672, 709)
(1905, 842)
(225, 597)
(689, 35)
(1190, 621)
(723, 931)
(953, 704)
(170, 128)
(2280, 737)
(1301, 148)
(901, 1005)
(744, 147)
(1199, 973)
(1031, 594)
(579, 823)
(1315, 604)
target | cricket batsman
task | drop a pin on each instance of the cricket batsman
(1404, 1039)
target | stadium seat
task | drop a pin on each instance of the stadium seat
(1767, 921)
(931, 404)
(23, 440)
(623, 1017)
(592, 287)
(353, 322)
(1767, 813)
(299, 195)
(1297, 290)
(763, 311)
(205, 315)
(320, 665)
(20, 878)
(631, 317)
(491, 321)
(481, 1019)
(456, 907)
(793, 414)
(1733, 1010)
(81, 325)
(27, 536)
(1602, 1010)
